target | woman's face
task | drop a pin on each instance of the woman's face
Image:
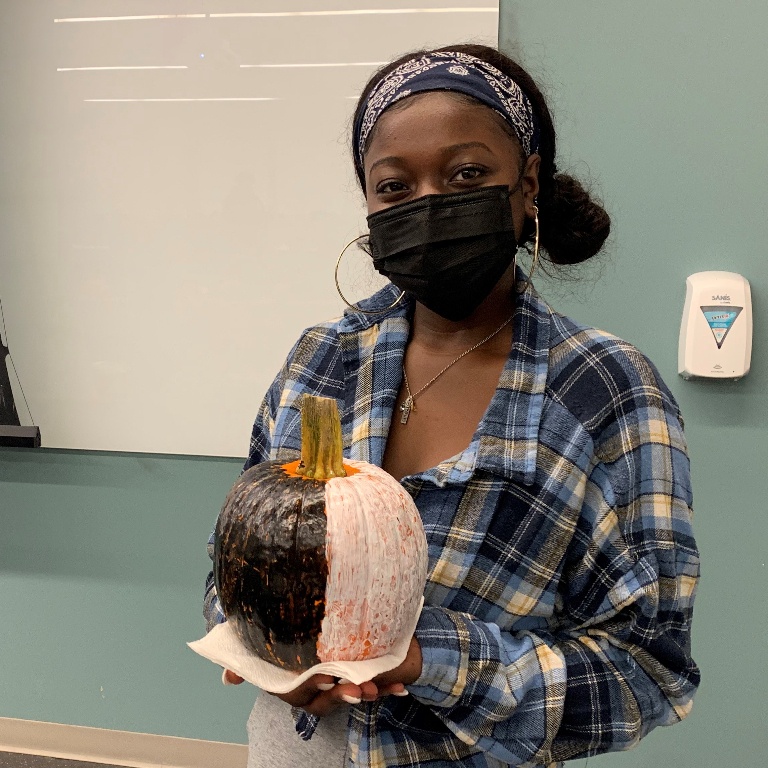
(435, 144)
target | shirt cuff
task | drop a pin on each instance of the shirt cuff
(306, 724)
(442, 659)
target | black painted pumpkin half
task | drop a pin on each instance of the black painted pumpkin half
(321, 559)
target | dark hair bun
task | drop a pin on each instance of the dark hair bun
(573, 226)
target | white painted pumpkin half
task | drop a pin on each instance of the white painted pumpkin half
(321, 559)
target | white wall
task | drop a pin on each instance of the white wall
(165, 233)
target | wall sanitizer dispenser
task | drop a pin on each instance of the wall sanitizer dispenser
(716, 332)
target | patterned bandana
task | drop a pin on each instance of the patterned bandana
(449, 71)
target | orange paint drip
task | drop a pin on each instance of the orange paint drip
(290, 470)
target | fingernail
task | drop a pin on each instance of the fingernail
(350, 699)
(344, 681)
(401, 693)
(324, 686)
(224, 678)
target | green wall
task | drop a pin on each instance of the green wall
(664, 106)
(102, 564)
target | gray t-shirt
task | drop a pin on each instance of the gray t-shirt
(274, 743)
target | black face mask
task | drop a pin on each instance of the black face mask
(447, 251)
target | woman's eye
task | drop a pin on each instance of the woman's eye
(390, 187)
(468, 173)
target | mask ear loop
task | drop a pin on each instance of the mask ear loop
(354, 306)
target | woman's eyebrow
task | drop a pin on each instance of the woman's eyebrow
(466, 145)
(383, 160)
(452, 149)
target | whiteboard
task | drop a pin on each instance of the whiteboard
(176, 186)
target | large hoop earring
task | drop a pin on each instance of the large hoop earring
(535, 259)
(354, 306)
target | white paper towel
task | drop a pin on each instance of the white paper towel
(223, 647)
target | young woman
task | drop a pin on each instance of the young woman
(546, 458)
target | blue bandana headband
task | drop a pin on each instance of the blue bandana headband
(450, 71)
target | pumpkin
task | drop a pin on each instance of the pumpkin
(321, 559)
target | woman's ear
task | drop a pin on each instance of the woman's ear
(530, 183)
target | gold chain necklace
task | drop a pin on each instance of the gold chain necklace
(409, 404)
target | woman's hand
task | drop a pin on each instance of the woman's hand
(322, 694)
(408, 672)
(228, 677)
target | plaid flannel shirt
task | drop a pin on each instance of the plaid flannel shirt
(562, 566)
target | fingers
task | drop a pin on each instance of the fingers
(393, 689)
(228, 677)
(343, 692)
(328, 701)
(369, 691)
(346, 692)
(340, 692)
(324, 682)
(350, 693)
(321, 695)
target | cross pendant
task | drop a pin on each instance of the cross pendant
(406, 409)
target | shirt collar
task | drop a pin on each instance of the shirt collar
(376, 310)
(506, 440)
(508, 436)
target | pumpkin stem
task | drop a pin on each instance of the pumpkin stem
(321, 443)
